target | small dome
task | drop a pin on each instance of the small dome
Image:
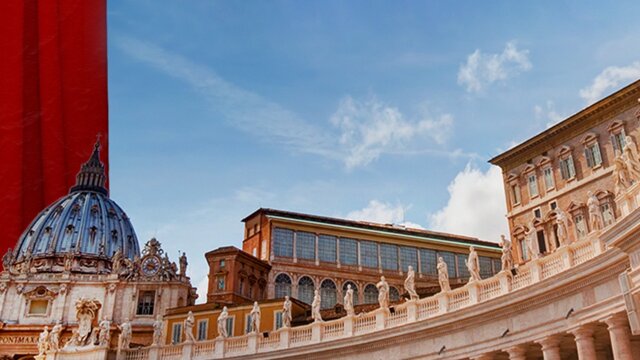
(86, 222)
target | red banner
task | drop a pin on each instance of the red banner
(53, 102)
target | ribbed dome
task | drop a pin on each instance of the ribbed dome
(86, 222)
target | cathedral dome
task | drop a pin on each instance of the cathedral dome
(86, 223)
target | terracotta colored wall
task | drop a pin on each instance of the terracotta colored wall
(53, 102)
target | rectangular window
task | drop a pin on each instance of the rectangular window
(220, 283)
(389, 257)
(408, 256)
(553, 205)
(533, 186)
(607, 214)
(176, 333)
(230, 325)
(222, 264)
(305, 245)
(463, 272)
(581, 226)
(283, 242)
(497, 266)
(369, 254)
(486, 268)
(537, 213)
(38, 307)
(263, 249)
(618, 142)
(278, 320)
(202, 329)
(592, 153)
(348, 252)
(327, 248)
(449, 259)
(515, 194)
(146, 300)
(247, 324)
(567, 170)
(523, 249)
(428, 262)
(548, 178)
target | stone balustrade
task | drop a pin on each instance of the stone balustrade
(408, 312)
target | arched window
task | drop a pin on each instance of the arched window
(305, 289)
(283, 286)
(328, 294)
(394, 294)
(354, 288)
(370, 294)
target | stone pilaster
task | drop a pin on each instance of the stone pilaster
(620, 334)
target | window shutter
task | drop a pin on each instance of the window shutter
(563, 169)
(596, 154)
(614, 143)
(589, 156)
(571, 168)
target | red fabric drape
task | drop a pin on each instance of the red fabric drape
(53, 102)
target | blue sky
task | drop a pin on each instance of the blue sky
(385, 111)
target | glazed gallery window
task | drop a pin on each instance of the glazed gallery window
(146, 300)
(327, 248)
(38, 307)
(305, 245)
(247, 323)
(548, 178)
(370, 294)
(523, 249)
(283, 286)
(580, 225)
(408, 257)
(283, 242)
(592, 154)
(305, 289)
(450, 260)
(230, 325)
(278, 320)
(533, 185)
(463, 272)
(607, 214)
(369, 254)
(348, 252)
(428, 262)
(328, 294)
(567, 169)
(486, 268)
(394, 294)
(389, 257)
(515, 194)
(176, 333)
(202, 329)
(355, 291)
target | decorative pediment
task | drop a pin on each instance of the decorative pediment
(544, 161)
(512, 177)
(564, 150)
(590, 137)
(537, 222)
(551, 215)
(528, 168)
(603, 194)
(575, 206)
(40, 292)
(615, 125)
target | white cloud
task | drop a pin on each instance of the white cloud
(548, 113)
(610, 78)
(481, 70)
(476, 205)
(383, 213)
(370, 128)
(202, 287)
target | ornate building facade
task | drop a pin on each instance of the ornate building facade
(77, 265)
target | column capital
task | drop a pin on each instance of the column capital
(616, 320)
(549, 342)
(517, 352)
(583, 331)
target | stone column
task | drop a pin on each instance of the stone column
(619, 332)
(518, 352)
(585, 342)
(550, 348)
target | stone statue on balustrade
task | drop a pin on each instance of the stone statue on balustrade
(443, 275)
(473, 265)
(383, 293)
(286, 312)
(104, 334)
(348, 301)
(595, 215)
(531, 241)
(222, 323)
(54, 337)
(562, 223)
(410, 283)
(158, 330)
(507, 256)
(43, 341)
(315, 306)
(621, 177)
(189, 324)
(631, 158)
(124, 339)
(254, 315)
(183, 264)
(86, 313)
(7, 258)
